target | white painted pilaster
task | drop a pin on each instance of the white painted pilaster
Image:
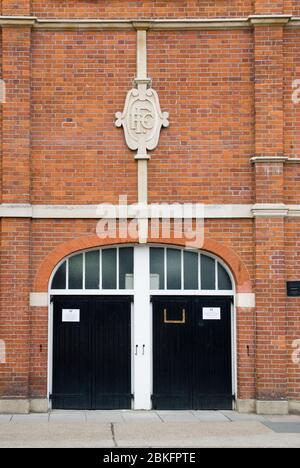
(142, 169)
(141, 54)
(142, 327)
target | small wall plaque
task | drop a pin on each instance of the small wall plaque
(293, 288)
(70, 315)
(211, 313)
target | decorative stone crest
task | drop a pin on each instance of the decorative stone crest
(142, 118)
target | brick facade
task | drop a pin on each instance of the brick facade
(229, 94)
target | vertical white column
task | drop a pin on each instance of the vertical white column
(142, 329)
(141, 54)
(142, 157)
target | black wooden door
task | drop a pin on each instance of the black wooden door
(192, 358)
(92, 356)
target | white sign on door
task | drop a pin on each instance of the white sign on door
(211, 313)
(70, 315)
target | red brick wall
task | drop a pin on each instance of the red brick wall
(84, 76)
(16, 115)
(204, 80)
(270, 7)
(14, 305)
(271, 352)
(291, 7)
(15, 7)
(79, 82)
(140, 9)
(292, 246)
(292, 114)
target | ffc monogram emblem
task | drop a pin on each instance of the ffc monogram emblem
(142, 119)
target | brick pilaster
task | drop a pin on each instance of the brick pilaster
(270, 7)
(14, 306)
(15, 232)
(271, 354)
(16, 115)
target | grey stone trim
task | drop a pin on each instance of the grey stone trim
(14, 406)
(268, 407)
(269, 210)
(234, 211)
(38, 405)
(16, 21)
(269, 159)
(294, 406)
(276, 159)
(269, 20)
(153, 24)
(38, 299)
(245, 406)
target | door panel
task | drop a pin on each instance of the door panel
(212, 382)
(92, 358)
(191, 360)
(112, 358)
(171, 354)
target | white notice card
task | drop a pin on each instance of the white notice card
(211, 313)
(71, 315)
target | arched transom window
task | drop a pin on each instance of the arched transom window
(99, 269)
(178, 269)
(170, 269)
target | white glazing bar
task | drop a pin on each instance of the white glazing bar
(182, 270)
(165, 268)
(100, 269)
(199, 271)
(117, 268)
(83, 271)
(67, 274)
(141, 346)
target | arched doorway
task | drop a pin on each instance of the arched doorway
(142, 327)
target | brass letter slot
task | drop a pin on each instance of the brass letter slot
(174, 321)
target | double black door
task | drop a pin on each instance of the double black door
(91, 352)
(192, 363)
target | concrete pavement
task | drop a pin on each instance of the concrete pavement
(148, 429)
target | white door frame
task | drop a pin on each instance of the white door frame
(142, 325)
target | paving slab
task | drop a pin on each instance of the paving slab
(5, 418)
(73, 435)
(104, 416)
(148, 429)
(234, 416)
(30, 418)
(284, 427)
(184, 434)
(287, 418)
(174, 416)
(140, 416)
(215, 416)
(73, 416)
